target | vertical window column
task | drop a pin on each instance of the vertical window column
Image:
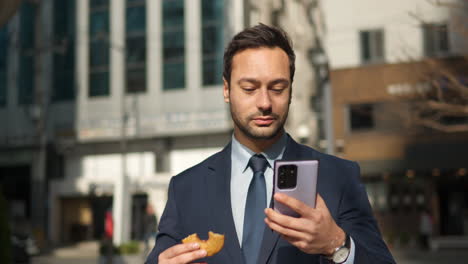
(3, 65)
(173, 45)
(212, 41)
(99, 48)
(135, 46)
(26, 74)
(64, 52)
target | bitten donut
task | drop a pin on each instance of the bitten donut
(213, 245)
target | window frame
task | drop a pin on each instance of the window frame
(349, 118)
(64, 57)
(4, 40)
(432, 36)
(376, 45)
(213, 56)
(138, 36)
(174, 62)
(99, 38)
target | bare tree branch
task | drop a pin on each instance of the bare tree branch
(441, 127)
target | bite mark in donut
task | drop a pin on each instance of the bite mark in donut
(213, 245)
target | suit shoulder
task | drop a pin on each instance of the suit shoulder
(323, 157)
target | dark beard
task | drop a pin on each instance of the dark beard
(251, 134)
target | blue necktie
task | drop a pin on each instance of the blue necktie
(253, 219)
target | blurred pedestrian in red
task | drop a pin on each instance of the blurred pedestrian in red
(108, 225)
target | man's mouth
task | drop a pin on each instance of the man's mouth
(263, 121)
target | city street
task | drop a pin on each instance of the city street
(420, 257)
(82, 253)
(124, 121)
(85, 253)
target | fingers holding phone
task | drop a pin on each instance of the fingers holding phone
(313, 232)
(299, 214)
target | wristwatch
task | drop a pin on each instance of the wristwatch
(342, 252)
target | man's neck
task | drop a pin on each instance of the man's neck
(257, 145)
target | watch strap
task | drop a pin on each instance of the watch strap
(346, 244)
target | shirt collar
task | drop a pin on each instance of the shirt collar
(242, 154)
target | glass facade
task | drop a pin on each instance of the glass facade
(26, 61)
(99, 48)
(173, 45)
(135, 46)
(212, 41)
(64, 54)
(3, 64)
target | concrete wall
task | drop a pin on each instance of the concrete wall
(178, 116)
(18, 121)
(393, 130)
(400, 19)
(194, 109)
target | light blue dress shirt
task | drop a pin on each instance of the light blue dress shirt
(241, 175)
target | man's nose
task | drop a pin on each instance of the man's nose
(264, 100)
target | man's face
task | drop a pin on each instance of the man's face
(259, 93)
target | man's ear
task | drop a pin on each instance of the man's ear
(225, 90)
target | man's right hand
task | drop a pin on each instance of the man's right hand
(181, 254)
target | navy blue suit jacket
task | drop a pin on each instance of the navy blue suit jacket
(199, 200)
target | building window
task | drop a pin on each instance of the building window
(136, 46)
(436, 39)
(26, 61)
(361, 117)
(162, 162)
(63, 88)
(3, 65)
(372, 46)
(212, 41)
(173, 45)
(99, 48)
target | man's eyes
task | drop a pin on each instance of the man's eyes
(278, 88)
(248, 88)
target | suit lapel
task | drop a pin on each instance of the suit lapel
(218, 182)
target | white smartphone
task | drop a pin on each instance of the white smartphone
(297, 179)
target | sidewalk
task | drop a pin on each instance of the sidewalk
(88, 253)
(416, 256)
(83, 253)
(88, 249)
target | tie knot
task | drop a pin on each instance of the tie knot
(258, 163)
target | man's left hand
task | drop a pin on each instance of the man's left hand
(314, 232)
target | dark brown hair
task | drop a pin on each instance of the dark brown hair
(258, 36)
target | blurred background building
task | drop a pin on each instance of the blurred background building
(398, 75)
(119, 89)
(102, 101)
